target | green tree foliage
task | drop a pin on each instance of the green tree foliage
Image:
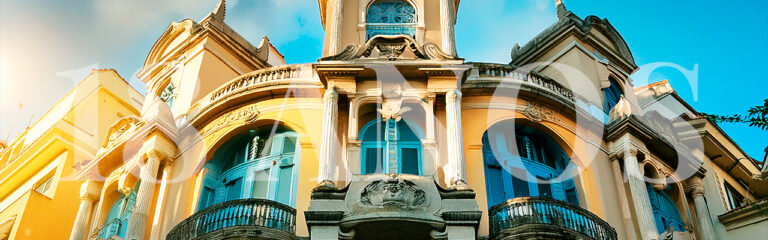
(757, 116)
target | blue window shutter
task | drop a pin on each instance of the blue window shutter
(284, 185)
(410, 160)
(234, 189)
(494, 185)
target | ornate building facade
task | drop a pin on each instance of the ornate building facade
(392, 135)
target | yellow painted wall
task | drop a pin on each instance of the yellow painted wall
(70, 132)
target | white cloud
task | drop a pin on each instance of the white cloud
(39, 39)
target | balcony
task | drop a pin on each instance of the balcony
(244, 218)
(545, 218)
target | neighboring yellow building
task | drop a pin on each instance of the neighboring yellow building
(38, 186)
(391, 135)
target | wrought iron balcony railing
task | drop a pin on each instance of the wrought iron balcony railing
(243, 212)
(513, 215)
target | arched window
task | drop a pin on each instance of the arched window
(611, 95)
(521, 161)
(390, 17)
(168, 95)
(119, 215)
(665, 211)
(259, 164)
(403, 137)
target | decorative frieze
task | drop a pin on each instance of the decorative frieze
(537, 113)
(243, 115)
(393, 193)
(391, 48)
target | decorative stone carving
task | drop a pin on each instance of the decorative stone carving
(391, 104)
(393, 193)
(247, 114)
(119, 129)
(660, 125)
(391, 48)
(538, 113)
(621, 110)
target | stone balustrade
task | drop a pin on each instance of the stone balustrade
(495, 75)
(284, 76)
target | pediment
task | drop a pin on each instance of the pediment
(168, 40)
(391, 47)
(594, 31)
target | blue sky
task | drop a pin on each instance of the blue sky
(47, 46)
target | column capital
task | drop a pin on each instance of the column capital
(331, 95)
(90, 190)
(156, 154)
(453, 95)
(694, 186)
(631, 151)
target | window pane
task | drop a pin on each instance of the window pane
(284, 185)
(410, 160)
(289, 144)
(261, 183)
(390, 18)
(373, 158)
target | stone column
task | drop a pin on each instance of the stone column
(328, 137)
(695, 186)
(167, 167)
(89, 193)
(334, 42)
(455, 172)
(640, 197)
(447, 20)
(146, 191)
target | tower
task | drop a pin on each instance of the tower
(349, 22)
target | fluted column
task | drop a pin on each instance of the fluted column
(334, 45)
(454, 139)
(447, 19)
(89, 193)
(640, 197)
(695, 186)
(328, 137)
(138, 222)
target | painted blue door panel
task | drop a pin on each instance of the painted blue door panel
(253, 166)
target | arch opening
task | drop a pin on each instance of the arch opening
(257, 163)
(522, 161)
